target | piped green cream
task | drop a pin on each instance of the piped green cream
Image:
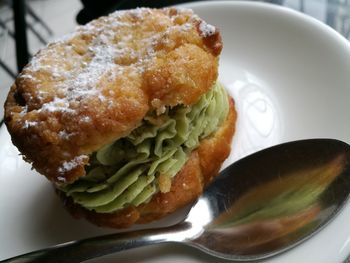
(130, 170)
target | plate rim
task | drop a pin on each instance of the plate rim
(275, 8)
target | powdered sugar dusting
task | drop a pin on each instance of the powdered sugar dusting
(64, 135)
(58, 104)
(28, 124)
(70, 165)
(206, 29)
(74, 65)
(81, 80)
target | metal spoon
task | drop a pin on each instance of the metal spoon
(258, 207)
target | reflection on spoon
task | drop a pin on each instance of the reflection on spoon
(267, 213)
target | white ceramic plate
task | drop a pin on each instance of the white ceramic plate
(289, 75)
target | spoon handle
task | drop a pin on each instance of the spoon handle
(79, 251)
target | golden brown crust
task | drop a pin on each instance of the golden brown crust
(97, 84)
(202, 166)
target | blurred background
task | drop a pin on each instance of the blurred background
(28, 25)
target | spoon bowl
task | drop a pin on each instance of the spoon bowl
(272, 200)
(258, 207)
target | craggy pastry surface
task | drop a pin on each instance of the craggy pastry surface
(96, 84)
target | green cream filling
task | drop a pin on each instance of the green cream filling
(127, 171)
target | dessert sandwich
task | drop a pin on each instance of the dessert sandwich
(125, 116)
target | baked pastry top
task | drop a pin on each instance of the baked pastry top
(96, 85)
